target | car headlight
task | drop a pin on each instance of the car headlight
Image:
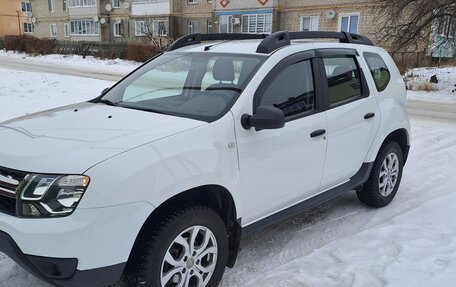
(50, 195)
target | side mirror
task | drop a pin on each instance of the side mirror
(104, 91)
(265, 118)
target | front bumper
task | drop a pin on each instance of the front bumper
(59, 271)
(88, 248)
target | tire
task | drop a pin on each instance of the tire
(148, 267)
(384, 180)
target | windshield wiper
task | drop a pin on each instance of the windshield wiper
(107, 102)
(144, 109)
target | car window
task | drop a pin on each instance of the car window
(292, 90)
(344, 79)
(379, 70)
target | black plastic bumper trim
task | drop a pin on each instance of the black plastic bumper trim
(60, 271)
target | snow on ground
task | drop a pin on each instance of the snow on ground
(24, 93)
(75, 61)
(445, 89)
(342, 243)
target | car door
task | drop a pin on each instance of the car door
(352, 114)
(281, 167)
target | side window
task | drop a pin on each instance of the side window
(379, 70)
(292, 90)
(344, 79)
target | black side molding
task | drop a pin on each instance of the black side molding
(358, 179)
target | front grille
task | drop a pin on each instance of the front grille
(9, 183)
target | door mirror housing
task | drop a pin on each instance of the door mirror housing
(265, 118)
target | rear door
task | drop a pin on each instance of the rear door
(352, 114)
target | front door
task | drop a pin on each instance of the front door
(279, 168)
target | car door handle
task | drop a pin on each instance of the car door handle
(317, 133)
(369, 116)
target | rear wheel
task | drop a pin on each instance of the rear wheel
(188, 249)
(385, 177)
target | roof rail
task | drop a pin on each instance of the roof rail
(273, 41)
(194, 39)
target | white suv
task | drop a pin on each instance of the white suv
(157, 180)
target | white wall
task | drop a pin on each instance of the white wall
(161, 7)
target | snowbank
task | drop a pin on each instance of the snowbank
(445, 89)
(117, 65)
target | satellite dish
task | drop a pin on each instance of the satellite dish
(118, 20)
(126, 5)
(108, 7)
(95, 19)
(330, 14)
(33, 20)
(102, 20)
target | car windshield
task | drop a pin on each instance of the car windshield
(200, 86)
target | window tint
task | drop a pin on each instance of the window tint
(292, 90)
(379, 70)
(344, 80)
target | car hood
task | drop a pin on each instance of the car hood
(74, 138)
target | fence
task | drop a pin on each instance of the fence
(2, 43)
(407, 60)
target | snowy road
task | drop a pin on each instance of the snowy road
(342, 243)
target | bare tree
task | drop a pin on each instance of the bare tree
(409, 23)
(156, 31)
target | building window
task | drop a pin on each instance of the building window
(209, 26)
(159, 28)
(53, 29)
(66, 27)
(349, 23)
(84, 27)
(310, 23)
(28, 28)
(116, 3)
(51, 5)
(82, 3)
(143, 1)
(192, 27)
(192, 1)
(257, 23)
(26, 7)
(226, 24)
(210, 1)
(117, 29)
(141, 28)
(65, 5)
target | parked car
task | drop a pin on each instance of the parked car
(157, 180)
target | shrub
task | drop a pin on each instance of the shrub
(141, 52)
(428, 87)
(30, 44)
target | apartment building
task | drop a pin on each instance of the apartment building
(196, 16)
(356, 16)
(247, 16)
(15, 17)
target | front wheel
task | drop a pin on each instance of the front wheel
(188, 249)
(385, 177)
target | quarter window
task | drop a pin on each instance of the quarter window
(379, 70)
(344, 79)
(292, 90)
